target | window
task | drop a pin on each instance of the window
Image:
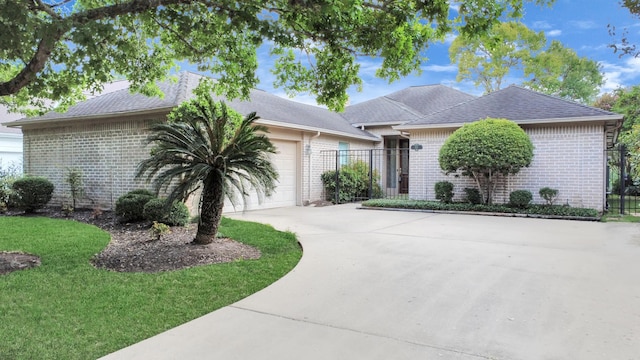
(391, 159)
(343, 152)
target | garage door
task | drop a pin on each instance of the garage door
(285, 161)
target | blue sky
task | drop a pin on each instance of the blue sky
(578, 24)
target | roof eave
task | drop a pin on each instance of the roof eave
(382, 123)
(598, 118)
(41, 121)
(284, 125)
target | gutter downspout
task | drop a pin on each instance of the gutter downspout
(310, 162)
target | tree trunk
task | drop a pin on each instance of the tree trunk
(211, 206)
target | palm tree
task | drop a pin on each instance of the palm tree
(206, 145)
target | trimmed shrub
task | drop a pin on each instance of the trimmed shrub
(472, 196)
(548, 194)
(353, 183)
(130, 206)
(554, 210)
(32, 193)
(156, 210)
(520, 198)
(444, 191)
(485, 149)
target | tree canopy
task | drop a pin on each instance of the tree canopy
(60, 48)
(485, 150)
(625, 46)
(488, 58)
(511, 46)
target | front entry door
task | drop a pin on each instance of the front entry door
(403, 147)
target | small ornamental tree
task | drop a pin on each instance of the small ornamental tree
(486, 150)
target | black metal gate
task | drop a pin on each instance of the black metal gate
(623, 192)
(356, 175)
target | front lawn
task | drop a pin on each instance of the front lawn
(67, 309)
(559, 211)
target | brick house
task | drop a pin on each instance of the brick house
(104, 137)
(569, 139)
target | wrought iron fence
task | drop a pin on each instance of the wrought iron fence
(623, 194)
(356, 175)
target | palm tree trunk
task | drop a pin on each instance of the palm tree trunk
(210, 212)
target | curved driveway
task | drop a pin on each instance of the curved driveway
(408, 285)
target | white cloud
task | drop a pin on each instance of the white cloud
(542, 25)
(583, 24)
(553, 33)
(620, 75)
(440, 68)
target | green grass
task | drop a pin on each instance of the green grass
(67, 309)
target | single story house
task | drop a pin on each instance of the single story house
(570, 140)
(104, 137)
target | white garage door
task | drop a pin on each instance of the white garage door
(285, 161)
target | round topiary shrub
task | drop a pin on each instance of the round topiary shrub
(472, 196)
(154, 210)
(444, 191)
(32, 193)
(130, 206)
(548, 194)
(520, 198)
(485, 150)
(177, 215)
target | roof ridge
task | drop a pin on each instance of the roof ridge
(475, 98)
(403, 106)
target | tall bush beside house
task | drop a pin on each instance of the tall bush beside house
(486, 151)
(444, 191)
(7, 177)
(74, 180)
(32, 193)
(353, 181)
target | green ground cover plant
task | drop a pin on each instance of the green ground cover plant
(555, 210)
(67, 309)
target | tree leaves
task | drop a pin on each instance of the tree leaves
(57, 50)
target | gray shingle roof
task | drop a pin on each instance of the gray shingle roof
(405, 105)
(513, 103)
(269, 107)
(428, 99)
(379, 110)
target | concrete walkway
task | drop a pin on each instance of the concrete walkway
(403, 285)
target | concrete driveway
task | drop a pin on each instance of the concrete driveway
(406, 285)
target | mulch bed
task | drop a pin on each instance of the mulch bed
(133, 249)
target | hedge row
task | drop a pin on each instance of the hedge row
(549, 210)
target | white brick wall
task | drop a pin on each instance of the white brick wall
(568, 158)
(107, 153)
